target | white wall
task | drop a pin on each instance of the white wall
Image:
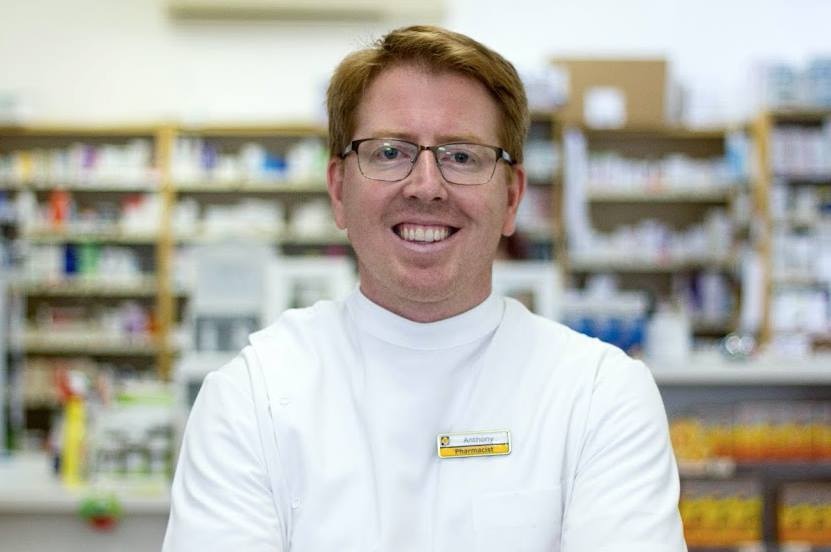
(126, 60)
(712, 44)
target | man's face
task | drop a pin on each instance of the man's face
(386, 221)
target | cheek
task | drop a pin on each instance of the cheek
(496, 207)
(501, 218)
(352, 198)
(362, 211)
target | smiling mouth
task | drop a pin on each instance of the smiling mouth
(422, 233)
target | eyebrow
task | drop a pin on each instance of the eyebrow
(442, 138)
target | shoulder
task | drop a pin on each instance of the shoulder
(224, 410)
(229, 381)
(290, 333)
(324, 313)
(300, 326)
(292, 353)
(575, 355)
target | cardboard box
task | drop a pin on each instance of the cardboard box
(641, 85)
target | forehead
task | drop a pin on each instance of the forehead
(427, 106)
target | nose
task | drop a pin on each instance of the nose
(425, 181)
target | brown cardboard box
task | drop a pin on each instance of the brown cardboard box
(642, 83)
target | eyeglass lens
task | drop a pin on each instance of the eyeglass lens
(392, 160)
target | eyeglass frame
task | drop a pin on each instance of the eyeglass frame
(501, 155)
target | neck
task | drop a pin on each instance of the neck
(425, 311)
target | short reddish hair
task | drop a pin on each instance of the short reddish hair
(436, 49)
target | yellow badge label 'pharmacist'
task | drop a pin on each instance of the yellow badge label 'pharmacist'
(475, 443)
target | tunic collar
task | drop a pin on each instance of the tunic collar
(457, 330)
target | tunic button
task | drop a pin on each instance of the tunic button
(284, 401)
(295, 504)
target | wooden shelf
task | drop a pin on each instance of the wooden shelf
(106, 236)
(538, 116)
(664, 195)
(338, 238)
(94, 287)
(203, 239)
(86, 343)
(297, 129)
(711, 326)
(664, 132)
(536, 234)
(277, 239)
(765, 133)
(798, 223)
(806, 179)
(632, 264)
(547, 182)
(147, 185)
(795, 279)
(281, 187)
(6, 186)
(713, 369)
(799, 114)
(61, 130)
(727, 468)
(719, 468)
(41, 403)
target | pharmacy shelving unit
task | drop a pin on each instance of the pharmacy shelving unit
(4, 362)
(8, 258)
(537, 227)
(8, 192)
(280, 164)
(615, 200)
(80, 183)
(278, 167)
(259, 185)
(38, 512)
(794, 164)
(710, 382)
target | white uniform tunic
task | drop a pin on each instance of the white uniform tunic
(321, 436)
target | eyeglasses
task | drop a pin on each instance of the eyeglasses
(392, 160)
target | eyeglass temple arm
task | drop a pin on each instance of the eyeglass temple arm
(347, 150)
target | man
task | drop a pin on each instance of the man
(425, 413)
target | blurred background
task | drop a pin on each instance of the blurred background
(162, 195)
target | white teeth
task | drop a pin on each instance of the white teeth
(422, 234)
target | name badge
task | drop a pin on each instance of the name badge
(475, 443)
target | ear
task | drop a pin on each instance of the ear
(334, 183)
(516, 191)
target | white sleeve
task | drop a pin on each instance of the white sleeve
(221, 497)
(625, 493)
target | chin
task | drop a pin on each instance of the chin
(421, 293)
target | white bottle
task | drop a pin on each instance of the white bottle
(668, 338)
